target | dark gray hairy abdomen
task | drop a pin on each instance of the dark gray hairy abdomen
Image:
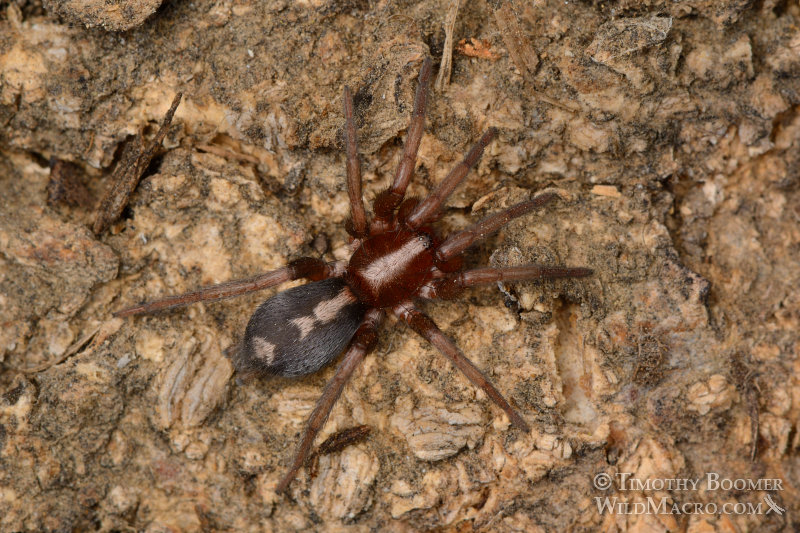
(293, 354)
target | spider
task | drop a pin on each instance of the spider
(398, 259)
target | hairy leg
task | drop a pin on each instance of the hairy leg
(458, 242)
(305, 267)
(429, 208)
(427, 329)
(358, 223)
(452, 286)
(388, 200)
(363, 341)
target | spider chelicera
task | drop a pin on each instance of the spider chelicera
(398, 258)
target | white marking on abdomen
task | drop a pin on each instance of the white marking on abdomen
(264, 350)
(305, 324)
(386, 268)
(326, 310)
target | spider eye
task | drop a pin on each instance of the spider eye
(425, 240)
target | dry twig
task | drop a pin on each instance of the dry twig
(128, 172)
(443, 79)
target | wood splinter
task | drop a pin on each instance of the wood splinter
(128, 172)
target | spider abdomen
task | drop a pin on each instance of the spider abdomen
(300, 330)
(389, 268)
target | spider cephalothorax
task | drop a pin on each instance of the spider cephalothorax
(397, 260)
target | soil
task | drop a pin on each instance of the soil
(670, 131)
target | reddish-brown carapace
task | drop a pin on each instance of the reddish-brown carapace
(398, 260)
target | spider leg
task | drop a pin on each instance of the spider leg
(427, 329)
(358, 223)
(387, 201)
(305, 267)
(458, 242)
(427, 209)
(363, 341)
(451, 286)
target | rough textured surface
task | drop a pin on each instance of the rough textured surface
(115, 15)
(671, 132)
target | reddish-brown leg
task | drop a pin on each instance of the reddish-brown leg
(363, 341)
(457, 243)
(427, 329)
(388, 200)
(427, 209)
(451, 286)
(305, 267)
(358, 223)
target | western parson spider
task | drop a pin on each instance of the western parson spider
(398, 258)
